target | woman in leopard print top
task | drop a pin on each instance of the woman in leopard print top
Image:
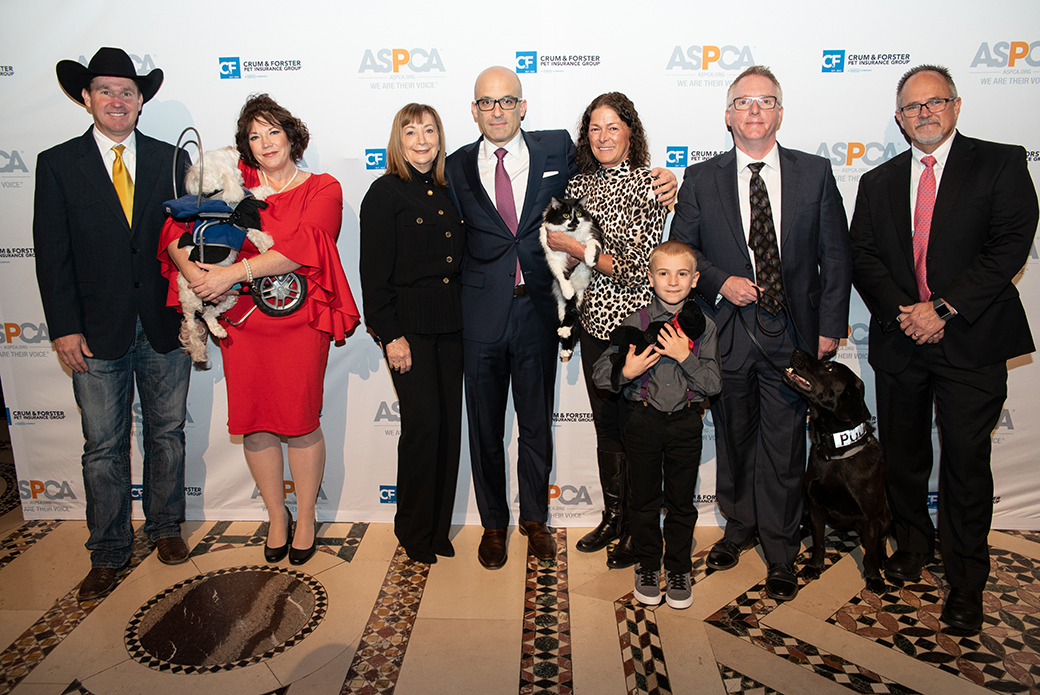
(613, 156)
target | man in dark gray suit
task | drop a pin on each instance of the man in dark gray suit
(97, 216)
(771, 238)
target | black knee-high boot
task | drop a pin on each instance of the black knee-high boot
(621, 555)
(610, 463)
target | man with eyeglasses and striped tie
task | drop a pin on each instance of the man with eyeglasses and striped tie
(771, 238)
(97, 215)
(938, 234)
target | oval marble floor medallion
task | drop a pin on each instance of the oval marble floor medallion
(226, 619)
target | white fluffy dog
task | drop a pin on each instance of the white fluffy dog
(222, 180)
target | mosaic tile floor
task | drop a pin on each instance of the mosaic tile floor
(361, 617)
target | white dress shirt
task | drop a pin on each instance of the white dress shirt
(105, 146)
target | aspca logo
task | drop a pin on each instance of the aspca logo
(387, 494)
(375, 159)
(11, 162)
(846, 153)
(703, 57)
(230, 68)
(26, 333)
(833, 61)
(1005, 54)
(394, 59)
(48, 489)
(1005, 421)
(288, 488)
(389, 412)
(144, 64)
(859, 333)
(526, 61)
(675, 157)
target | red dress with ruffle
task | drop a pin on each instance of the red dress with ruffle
(275, 366)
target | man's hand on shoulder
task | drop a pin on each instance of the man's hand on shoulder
(665, 186)
(71, 350)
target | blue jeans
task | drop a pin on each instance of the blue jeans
(105, 394)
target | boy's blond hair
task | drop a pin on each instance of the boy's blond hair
(673, 248)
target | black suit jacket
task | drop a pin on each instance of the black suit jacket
(814, 247)
(489, 266)
(97, 273)
(983, 225)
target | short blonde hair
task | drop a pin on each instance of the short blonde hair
(673, 248)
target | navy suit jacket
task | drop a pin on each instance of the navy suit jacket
(489, 265)
(982, 228)
(814, 245)
(97, 273)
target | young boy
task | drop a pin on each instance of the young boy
(663, 432)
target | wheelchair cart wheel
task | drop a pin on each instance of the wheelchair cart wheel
(279, 295)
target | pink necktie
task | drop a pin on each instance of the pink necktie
(923, 225)
(504, 201)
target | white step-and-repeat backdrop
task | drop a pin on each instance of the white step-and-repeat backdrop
(347, 67)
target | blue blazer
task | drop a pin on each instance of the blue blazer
(489, 265)
(97, 273)
(814, 244)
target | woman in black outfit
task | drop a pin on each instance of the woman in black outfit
(411, 259)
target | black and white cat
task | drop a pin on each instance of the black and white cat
(570, 277)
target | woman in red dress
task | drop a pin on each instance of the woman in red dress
(275, 365)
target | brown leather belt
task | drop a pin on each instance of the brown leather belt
(520, 291)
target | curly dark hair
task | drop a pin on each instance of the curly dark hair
(263, 107)
(638, 150)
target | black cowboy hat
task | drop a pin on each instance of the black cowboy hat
(109, 62)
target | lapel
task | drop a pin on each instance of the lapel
(94, 175)
(535, 169)
(726, 184)
(899, 201)
(790, 176)
(962, 154)
(148, 173)
(470, 167)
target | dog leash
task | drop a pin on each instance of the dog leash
(758, 321)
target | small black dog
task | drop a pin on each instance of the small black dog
(690, 318)
(845, 478)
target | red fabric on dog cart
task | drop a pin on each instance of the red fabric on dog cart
(275, 366)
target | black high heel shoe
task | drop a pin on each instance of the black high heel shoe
(298, 557)
(276, 554)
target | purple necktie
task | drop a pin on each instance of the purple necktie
(504, 192)
(923, 226)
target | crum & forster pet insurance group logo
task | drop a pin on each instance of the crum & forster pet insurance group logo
(375, 159)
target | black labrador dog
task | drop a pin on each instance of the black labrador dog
(845, 478)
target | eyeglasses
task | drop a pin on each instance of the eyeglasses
(764, 103)
(936, 105)
(488, 104)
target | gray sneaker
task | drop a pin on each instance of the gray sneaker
(680, 590)
(648, 586)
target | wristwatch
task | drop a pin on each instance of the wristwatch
(942, 310)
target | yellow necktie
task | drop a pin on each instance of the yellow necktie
(123, 183)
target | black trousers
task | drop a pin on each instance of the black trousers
(967, 404)
(664, 451)
(609, 411)
(430, 397)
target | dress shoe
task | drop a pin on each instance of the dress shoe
(172, 550)
(540, 542)
(444, 548)
(99, 581)
(963, 609)
(297, 556)
(723, 555)
(905, 566)
(781, 584)
(492, 550)
(427, 556)
(622, 555)
(276, 554)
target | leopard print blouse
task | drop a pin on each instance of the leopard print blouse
(632, 220)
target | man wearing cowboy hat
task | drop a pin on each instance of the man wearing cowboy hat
(97, 215)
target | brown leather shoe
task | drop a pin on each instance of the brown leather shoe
(172, 550)
(540, 542)
(99, 581)
(492, 550)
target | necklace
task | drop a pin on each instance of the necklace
(286, 185)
